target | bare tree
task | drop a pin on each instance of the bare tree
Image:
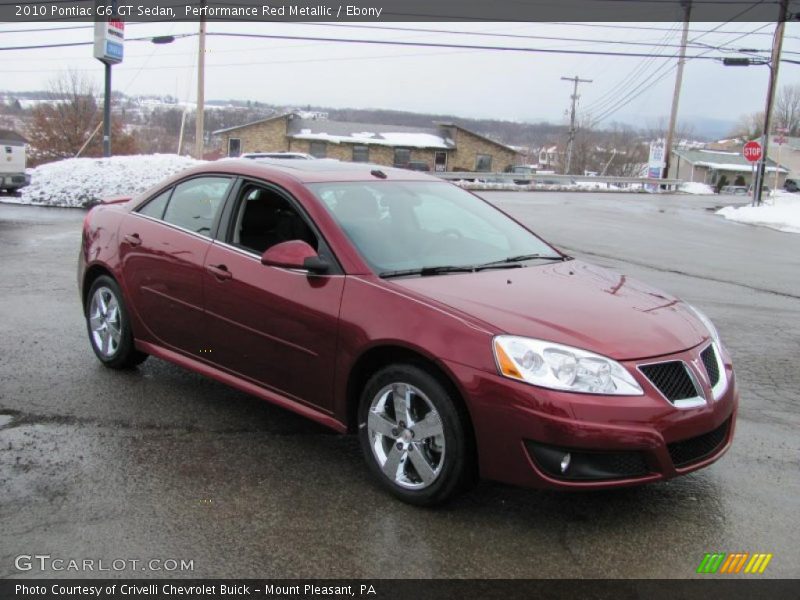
(787, 109)
(749, 126)
(61, 127)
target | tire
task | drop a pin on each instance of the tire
(424, 456)
(109, 326)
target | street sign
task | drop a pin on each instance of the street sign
(752, 151)
(109, 37)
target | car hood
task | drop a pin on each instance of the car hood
(572, 303)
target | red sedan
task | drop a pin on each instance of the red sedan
(455, 342)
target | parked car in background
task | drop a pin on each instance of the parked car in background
(450, 338)
(735, 190)
(525, 171)
(791, 185)
(417, 165)
(12, 161)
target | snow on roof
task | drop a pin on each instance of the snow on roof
(397, 139)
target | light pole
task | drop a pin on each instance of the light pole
(774, 64)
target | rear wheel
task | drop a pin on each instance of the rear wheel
(109, 326)
(413, 436)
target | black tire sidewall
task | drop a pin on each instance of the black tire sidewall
(456, 462)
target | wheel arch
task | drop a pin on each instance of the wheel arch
(386, 354)
(92, 273)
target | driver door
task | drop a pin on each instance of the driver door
(274, 326)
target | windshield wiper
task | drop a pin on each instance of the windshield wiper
(426, 271)
(515, 260)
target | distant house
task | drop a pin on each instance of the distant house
(786, 155)
(708, 166)
(442, 147)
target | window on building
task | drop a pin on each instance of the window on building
(234, 147)
(483, 162)
(318, 149)
(360, 153)
(402, 156)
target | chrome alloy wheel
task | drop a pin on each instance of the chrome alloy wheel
(406, 436)
(105, 321)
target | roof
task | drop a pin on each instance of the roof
(272, 118)
(7, 135)
(483, 137)
(721, 161)
(338, 132)
(313, 171)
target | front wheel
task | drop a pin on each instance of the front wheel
(109, 326)
(413, 436)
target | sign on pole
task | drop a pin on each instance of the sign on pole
(109, 37)
(752, 151)
(655, 163)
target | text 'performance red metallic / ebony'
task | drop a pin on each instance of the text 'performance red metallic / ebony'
(451, 339)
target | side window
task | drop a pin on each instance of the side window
(402, 156)
(234, 147)
(360, 153)
(266, 218)
(194, 203)
(155, 207)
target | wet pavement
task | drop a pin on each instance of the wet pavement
(160, 463)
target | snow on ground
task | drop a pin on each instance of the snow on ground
(780, 211)
(84, 181)
(694, 187)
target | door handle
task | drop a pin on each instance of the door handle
(219, 271)
(133, 239)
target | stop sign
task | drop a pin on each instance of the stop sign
(752, 151)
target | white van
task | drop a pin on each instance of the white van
(12, 161)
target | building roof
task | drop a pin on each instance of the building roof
(9, 136)
(272, 118)
(478, 135)
(721, 161)
(338, 132)
(300, 127)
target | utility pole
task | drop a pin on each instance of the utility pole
(676, 95)
(199, 133)
(774, 65)
(575, 81)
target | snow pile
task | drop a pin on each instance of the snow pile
(781, 211)
(84, 181)
(694, 187)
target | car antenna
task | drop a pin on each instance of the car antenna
(378, 173)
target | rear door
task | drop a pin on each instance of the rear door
(274, 326)
(163, 246)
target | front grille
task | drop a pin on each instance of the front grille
(697, 448)
(709, 357)
(18, 179)
(671, 379)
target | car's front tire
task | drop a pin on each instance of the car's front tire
(109, 326)
(413, 435)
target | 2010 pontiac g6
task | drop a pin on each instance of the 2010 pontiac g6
(455, 342)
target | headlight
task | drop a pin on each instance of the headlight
(712, 331)
(561, 367)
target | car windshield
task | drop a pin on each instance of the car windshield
(407, 226)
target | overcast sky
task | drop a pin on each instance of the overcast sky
(471, 83)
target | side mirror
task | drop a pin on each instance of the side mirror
(295, 254)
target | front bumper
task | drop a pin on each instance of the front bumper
(511, 418)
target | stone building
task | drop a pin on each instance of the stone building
(443, 147)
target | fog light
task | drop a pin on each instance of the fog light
(565, 462)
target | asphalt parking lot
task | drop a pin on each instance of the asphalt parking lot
(162, 463)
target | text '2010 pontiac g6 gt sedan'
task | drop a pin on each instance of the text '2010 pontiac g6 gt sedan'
(455, 342)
